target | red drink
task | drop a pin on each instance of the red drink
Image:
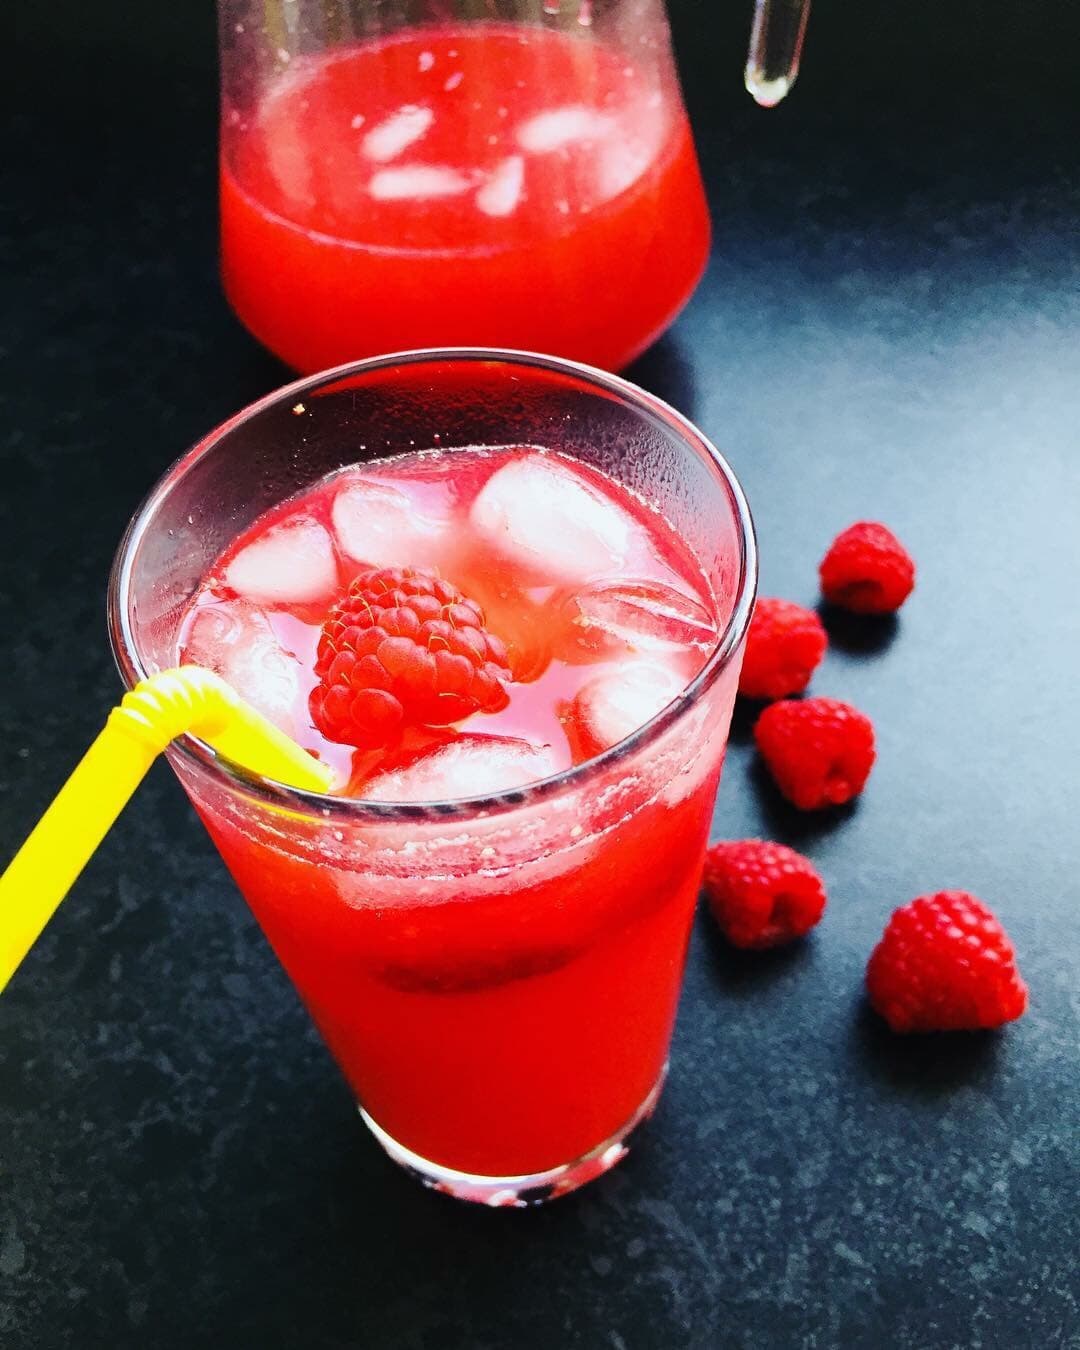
(460, 186)
(474, 1017)
(487, 918)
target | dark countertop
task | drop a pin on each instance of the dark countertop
(890, 327)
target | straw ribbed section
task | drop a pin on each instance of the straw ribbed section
(172, 703)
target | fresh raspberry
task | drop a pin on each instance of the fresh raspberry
(867, 570)
(403, 647)
(820, 751)
(784, 645)
(762, 894)
(945, 964)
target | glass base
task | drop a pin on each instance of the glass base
(518, 1192)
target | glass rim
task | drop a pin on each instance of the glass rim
(323, 805)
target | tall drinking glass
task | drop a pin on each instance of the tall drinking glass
(405, 173)
(497, 978)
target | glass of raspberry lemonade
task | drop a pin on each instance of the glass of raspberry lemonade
(504, 597)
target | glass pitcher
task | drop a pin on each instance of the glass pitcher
(421, 173)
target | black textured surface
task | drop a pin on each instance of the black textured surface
(890, 327)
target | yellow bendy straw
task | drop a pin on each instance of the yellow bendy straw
(151, 715)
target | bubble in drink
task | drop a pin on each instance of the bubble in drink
(471, 766)
(292, 563)
(540, 516)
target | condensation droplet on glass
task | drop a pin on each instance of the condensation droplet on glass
(238, 27)
(551, 6)
(563, 206)
(453, 81)
(283, 55)
(503, 112)
(339, 835)
(358, 121)
(425, 60)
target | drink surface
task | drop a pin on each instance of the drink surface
(499, 1006)
(604, 616)
(482, 184)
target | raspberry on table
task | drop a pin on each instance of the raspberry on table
(945, 964)
(784, 645)
(762, 894)
(819, 750)
(403, 647)
(867, 570)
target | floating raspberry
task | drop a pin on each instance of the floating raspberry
(867, 570)
(401, 647)
(762, 894)
(820, 751)
(945, 964)
(784, 645)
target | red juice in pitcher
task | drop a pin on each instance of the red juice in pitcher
(499, 1001)
(478, 184)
